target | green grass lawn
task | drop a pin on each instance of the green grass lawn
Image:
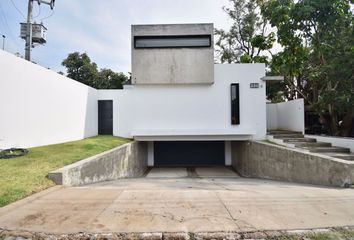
(22, 176)
(332, 235)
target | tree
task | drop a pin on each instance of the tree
(318, 56)
(247, 39)
(80, 68)
(107, 79)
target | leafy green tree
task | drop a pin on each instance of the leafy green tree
(80, 68)
(107, 79)
(317, 57)
(247, 39)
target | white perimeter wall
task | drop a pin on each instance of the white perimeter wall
(201, 110)
(41, 107)
(286, 115)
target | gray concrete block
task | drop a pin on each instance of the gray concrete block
(173, 65)
(313, 144)
(328, 149)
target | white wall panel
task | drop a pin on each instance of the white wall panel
(40, 107)
(286, 115)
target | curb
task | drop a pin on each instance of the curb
(301, 233)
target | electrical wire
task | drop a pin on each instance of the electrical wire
(4, 20)
(18, 10)
(48, 15)
(39, 12)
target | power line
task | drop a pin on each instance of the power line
(4, 20)
(18, 10)
(39, 12)
(51, 14)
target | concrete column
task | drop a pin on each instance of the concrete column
(228, 161)
(151, 154)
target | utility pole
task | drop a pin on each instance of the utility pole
(3, 41)
(29, 31)
(29, 34)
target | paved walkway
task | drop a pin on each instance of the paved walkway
(180, 204)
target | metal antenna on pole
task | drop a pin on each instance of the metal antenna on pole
(28, 37)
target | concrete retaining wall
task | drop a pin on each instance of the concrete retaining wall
(126, 161)
(269, 161)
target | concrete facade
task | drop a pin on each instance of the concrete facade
(126, 161)
(270, 161)
(173, 65)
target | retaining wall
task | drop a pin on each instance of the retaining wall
(126, 161)
(269, 161)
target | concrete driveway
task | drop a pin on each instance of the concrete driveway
(180, 200)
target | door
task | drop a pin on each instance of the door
(105, 117)
(189, 153)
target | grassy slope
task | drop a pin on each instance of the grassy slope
(22, 176)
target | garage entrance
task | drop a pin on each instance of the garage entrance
(189, 153)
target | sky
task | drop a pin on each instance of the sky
(101, 28)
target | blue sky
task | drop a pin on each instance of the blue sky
(101, 28)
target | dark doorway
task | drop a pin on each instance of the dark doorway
(105, 117)
(189, 153)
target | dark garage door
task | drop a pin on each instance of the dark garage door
(191, 153)
(105, 117)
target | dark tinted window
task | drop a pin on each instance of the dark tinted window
(235, 104)
(172, 41)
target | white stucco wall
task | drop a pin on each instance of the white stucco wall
(286, 115)
(203, 111)
(272, 116)
(40, 107)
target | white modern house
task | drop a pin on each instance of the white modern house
(186, 107)
(181, 110)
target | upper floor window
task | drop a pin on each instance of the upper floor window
(185, 41)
